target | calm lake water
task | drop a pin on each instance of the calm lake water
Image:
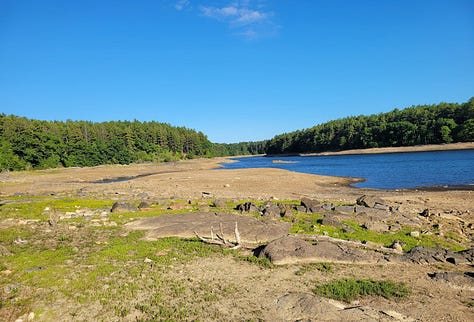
(380, 171)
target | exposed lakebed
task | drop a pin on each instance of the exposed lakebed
(436, 169)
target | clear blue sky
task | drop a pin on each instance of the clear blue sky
(235, 70)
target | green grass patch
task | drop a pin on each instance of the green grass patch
(34, 207)
(304, 223)
(262, 262)
(348, 290)
(322, 267)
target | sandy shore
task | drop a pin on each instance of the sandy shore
(418, 148)
(201, 181)
(194, 179)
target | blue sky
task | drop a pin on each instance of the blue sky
(235, 70)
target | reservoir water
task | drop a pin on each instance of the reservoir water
(380, 171)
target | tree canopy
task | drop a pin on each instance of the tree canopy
(26, 143)
(416, 125)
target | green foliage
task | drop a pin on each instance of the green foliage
(427, 124)
(28, 143)
(348, 290)
(241, 148)
(311, 224)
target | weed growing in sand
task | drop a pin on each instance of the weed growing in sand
(322, 267)
(348, 290)
(262, 262)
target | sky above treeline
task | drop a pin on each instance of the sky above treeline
(235, 70)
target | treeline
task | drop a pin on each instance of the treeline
(426, 124)
(35, 144)
(26, 143)
(242, 148)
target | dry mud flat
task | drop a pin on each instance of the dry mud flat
(219, 287)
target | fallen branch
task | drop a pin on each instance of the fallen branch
(221, 241)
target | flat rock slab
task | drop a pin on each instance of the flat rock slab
(252, 230)
(306, 307)
(290, 250)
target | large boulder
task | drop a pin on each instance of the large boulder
(427, 255)
(307, 307)
(252, 230)
(288, 250)
(293, 250)
(460, 280)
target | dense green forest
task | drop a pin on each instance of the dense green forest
(27, 144)
(424, 124)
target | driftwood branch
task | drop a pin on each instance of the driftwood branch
(221, 239)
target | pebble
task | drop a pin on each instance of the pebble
(415, 234)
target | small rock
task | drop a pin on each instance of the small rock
(310, 205)
(122, 206)
(218, 203)
(4, 251)
(147, 260)
(376, 226)
(226, 185)
(395, 227)
(372, 244)
(415, 234)
(369, 201)
(347, 229)
(143, 205)
(247, 207)
(329, 220)
(425, 213)
(397, 247)
(381, 206)
(271, 210)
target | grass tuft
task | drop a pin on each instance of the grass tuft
(262, 262)
(348, 290)
(322, 267)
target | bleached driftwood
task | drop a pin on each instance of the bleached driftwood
(221, 241)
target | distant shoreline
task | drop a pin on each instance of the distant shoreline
(402, 149)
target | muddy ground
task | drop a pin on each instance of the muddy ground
(216, 286)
